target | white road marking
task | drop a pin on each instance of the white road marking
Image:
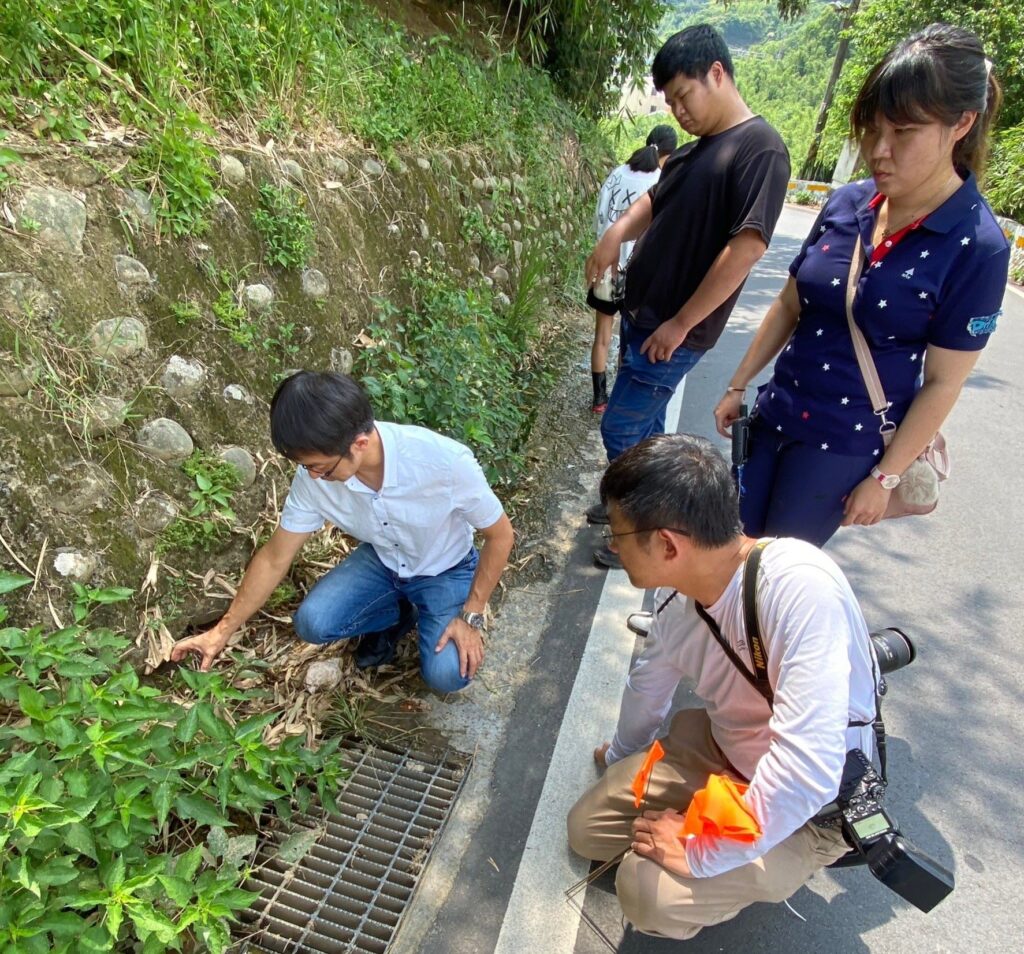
(537, 917)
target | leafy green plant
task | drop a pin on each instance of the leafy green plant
(454, 363)
(211, 517)
(116, 803)
(177, 157)
(285, 227)
(186, 311)
(234, 319)
(87, 599)
(8, 157)
(803, 197)
(28, 225)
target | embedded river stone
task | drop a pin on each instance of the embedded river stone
(373, 168)
(23, 294)
(341, 360)
(423, 163)
(102, 415)
(232, 171)
(292, 171)
(243, 463)
(165, 440)
(118, 337)
(182, 377)
(81, 488)
(16, 381)
(235, 392)
(155, 511)
(142, 205)
(258, 298)
(60, 216)
(314, 284)
(75, 565)
(339, 166)
(130, 271)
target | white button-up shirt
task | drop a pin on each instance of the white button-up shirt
(421, 521)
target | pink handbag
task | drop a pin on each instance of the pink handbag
(918, 489)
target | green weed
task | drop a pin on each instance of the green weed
(128, 821)
(186, 311)
(284, 226)
(453, 363)
(234, 319)
(211, 517)
(177, 159)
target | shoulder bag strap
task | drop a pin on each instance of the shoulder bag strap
(759, 678)
(860, 346)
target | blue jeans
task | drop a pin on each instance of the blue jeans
(636, 406)
(361, 595)
(792, 489)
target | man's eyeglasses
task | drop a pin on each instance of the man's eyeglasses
(609, 536)
(316, 473)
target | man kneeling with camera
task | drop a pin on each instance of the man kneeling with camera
(783, 709)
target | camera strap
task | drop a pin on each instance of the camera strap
(758, 657)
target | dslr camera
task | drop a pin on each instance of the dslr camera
(872, 833)
(900, 865)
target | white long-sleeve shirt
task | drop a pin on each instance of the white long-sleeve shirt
(820, 669)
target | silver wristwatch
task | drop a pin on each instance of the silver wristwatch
(476, 620)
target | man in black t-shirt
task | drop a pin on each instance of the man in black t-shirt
(701, 229)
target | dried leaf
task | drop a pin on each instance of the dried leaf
(295, 847)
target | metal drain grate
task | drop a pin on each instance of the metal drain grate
(349, 891)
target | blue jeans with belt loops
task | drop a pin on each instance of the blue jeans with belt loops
(361, 595)
(636, 406)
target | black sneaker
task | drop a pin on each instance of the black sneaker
(598, 513)
(378, 649)
(607, 558)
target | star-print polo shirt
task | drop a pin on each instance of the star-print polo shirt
(940, 282)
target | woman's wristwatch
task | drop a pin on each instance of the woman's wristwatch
(888, 481)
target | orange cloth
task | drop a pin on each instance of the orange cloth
(640, 780)
(719, 810)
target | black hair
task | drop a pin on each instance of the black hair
(318, 412)
(937, 74)
(645, 159)
(675, 481)
(691, 52)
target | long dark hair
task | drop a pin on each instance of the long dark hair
(661, 141)
(935, 75)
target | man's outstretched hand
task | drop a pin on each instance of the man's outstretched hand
(601, 755)
(207, 646)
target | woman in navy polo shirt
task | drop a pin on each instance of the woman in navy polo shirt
(927, 300)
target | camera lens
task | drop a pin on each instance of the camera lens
(893, 649)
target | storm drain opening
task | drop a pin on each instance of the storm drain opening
(350, 889)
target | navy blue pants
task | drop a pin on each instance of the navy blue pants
(792, 489)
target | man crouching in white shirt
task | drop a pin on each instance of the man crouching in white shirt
(675, 524)
(413, 498)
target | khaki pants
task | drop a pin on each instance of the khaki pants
(656, 901)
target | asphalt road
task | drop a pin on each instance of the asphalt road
(950, 579)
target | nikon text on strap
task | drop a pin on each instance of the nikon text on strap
(758, 657)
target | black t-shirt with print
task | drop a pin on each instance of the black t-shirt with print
(710, 190)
